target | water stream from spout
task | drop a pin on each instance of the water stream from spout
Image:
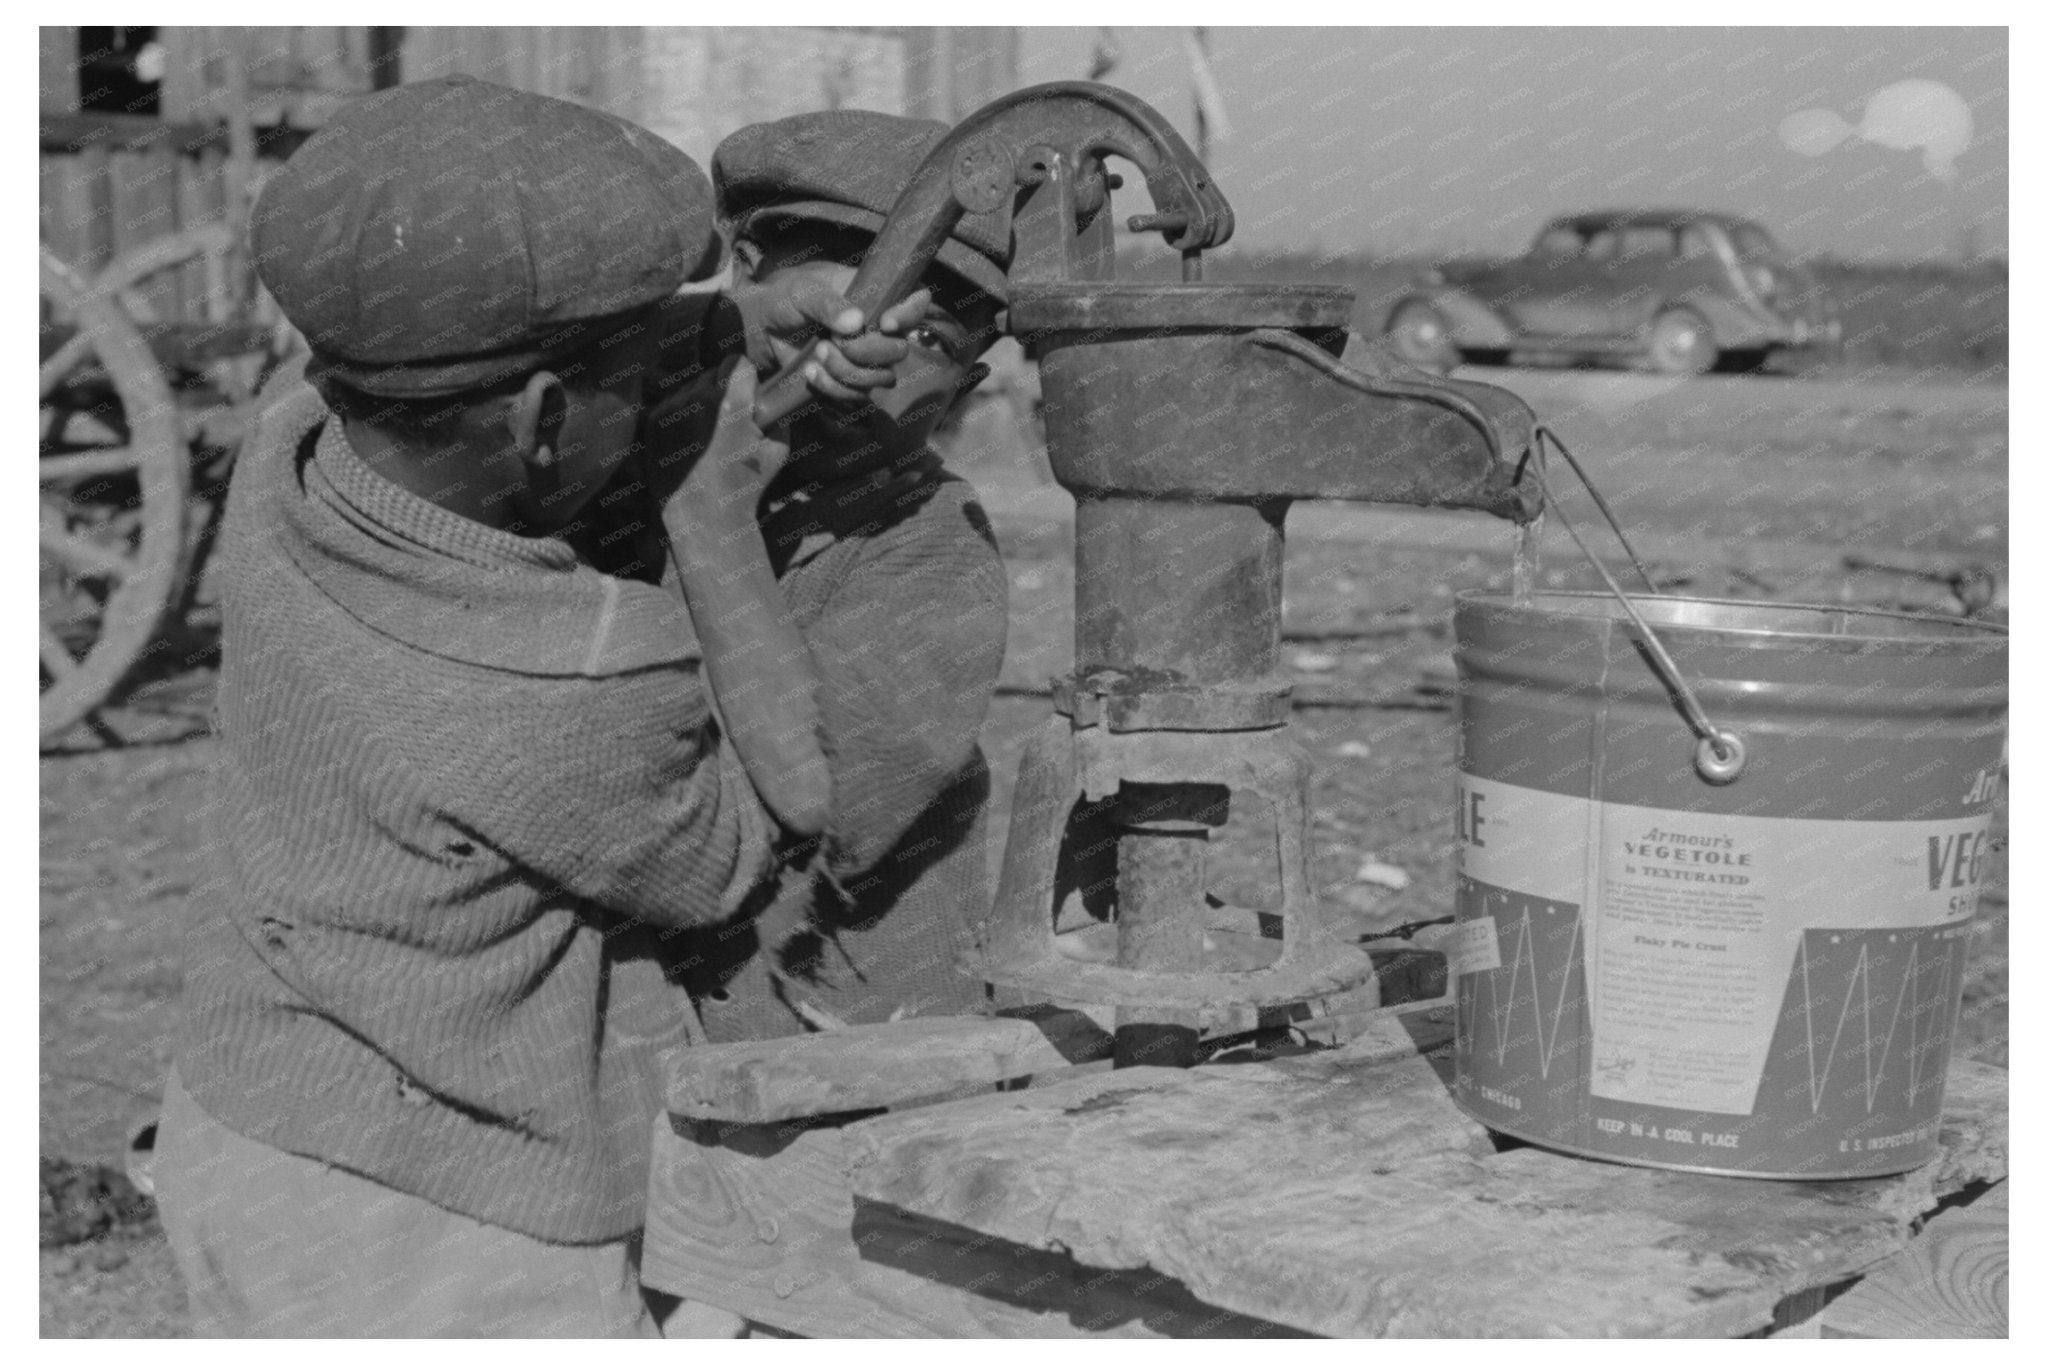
(1528, 559)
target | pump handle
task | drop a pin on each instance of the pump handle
(986, 158)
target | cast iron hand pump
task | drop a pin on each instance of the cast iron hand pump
(1185, 419)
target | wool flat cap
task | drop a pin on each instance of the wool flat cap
(443, 236)
(847, 167)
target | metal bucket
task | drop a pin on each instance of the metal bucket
(1751, 974)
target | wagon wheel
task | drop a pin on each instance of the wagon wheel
(234, 368)
(114, 480)
(220, 358)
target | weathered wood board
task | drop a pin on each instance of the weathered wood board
(749, 1209)
(1343, 1194)
(867, 1066)
(298, 74)
(113, 184)
(1952, 1281)
(757, 1219)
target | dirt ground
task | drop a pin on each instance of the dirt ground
(1752, 487)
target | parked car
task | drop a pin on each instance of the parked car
(1674, 290)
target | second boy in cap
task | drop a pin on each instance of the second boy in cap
(891, 571)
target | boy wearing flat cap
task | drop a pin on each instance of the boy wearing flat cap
(469, 780)
(891, 571)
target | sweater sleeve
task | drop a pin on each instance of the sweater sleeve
(625, 795)
(908, 651)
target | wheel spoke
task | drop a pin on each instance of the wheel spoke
(81, 553)
(115, 582)
(57, 660)
(65, 359)
(87, 464)
(138, 307)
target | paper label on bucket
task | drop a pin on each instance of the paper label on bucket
(1478, 947)
(1693, 924)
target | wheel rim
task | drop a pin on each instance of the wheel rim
(1420, 335)
(109, 563)
(1680, 343)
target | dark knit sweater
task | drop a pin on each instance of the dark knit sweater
(902, 598)
(462, 774)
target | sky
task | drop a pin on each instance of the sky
(1455, 140)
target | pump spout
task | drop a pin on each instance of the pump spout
(1235, 393)
(1459, 444)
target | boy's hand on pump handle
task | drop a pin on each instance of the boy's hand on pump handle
(778, 320)
(788, 310)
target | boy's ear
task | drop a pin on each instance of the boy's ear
(535, 419)
(746, 258)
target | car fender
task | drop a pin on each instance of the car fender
(1472, 323)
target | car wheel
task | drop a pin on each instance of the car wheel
(1420, 336)
(1682, 342)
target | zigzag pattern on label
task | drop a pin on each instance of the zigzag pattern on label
(1479, 899)
(1876, 1060)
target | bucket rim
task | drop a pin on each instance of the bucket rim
(1948, 629)
(1589, 1150)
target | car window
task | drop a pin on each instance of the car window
(1644, 244)
(1695, 243)
(1557, 242)
(1601, 245)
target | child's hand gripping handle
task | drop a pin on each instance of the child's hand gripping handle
(976, 168)
(887, 275)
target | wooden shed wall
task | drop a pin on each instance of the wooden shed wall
(599, 67)
(57, 63)
(951, 72)
(297, 75)
(703, 83)
(110, 183)
(108, 197)
(693, 85)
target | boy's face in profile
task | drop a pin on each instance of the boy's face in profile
(896, 422)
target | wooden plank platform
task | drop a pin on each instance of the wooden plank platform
(1343, 1194)
(866, 1066)
(749, 1209)
(758, 1220)
(1950, 1282)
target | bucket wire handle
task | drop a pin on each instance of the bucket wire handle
(1720, 754)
